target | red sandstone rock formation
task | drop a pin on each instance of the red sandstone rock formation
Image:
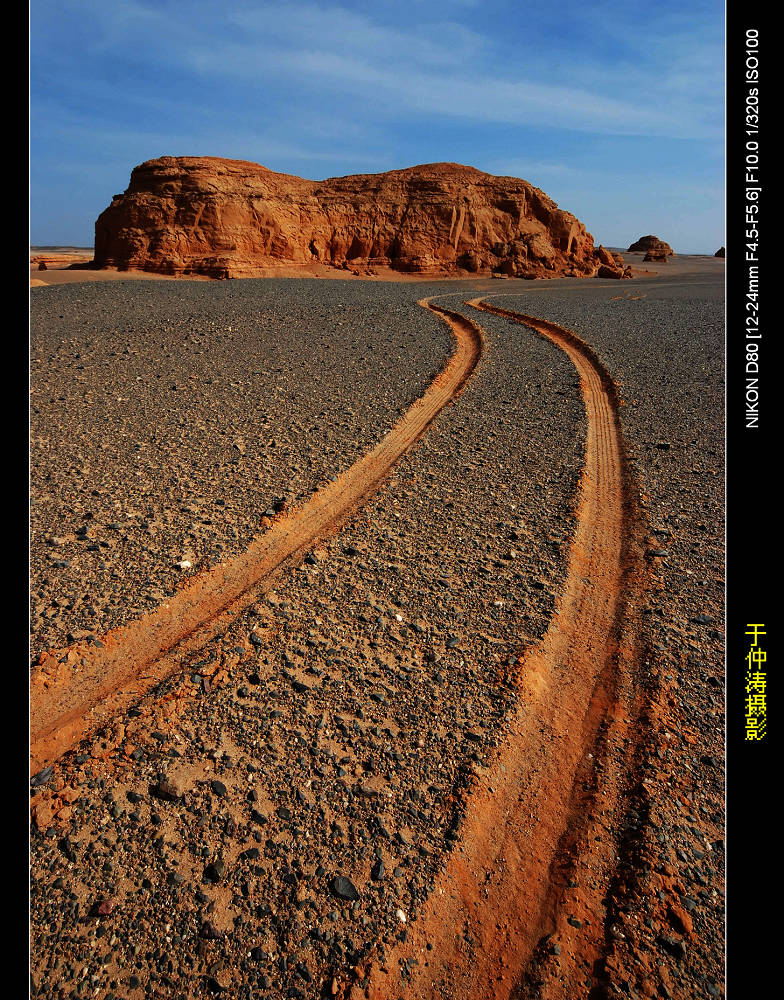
(652, 244)
(232, 218)
(612, 265)
(606, 257)
(605, 271)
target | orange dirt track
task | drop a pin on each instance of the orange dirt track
(504, 888)
(531, 823)
(77, 691)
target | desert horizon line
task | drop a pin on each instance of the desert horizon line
(71, 245)
(435, 165)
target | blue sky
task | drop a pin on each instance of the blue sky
(615, 110)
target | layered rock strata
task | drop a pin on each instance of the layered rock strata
(232, 218)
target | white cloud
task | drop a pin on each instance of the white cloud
(661, 80)
(479, 96)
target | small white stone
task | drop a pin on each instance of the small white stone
(184, 564)
(400, 916)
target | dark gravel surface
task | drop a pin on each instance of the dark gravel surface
(214, 841)
(325, 740)
(663, 342)
(168, 417)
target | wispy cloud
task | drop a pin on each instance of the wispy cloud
(649, 84)
(346, 55)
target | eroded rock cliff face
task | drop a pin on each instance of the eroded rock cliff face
(231, 218)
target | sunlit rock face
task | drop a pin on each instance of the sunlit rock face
(231, 218)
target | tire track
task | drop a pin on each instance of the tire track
(76, 691)
(497, 897)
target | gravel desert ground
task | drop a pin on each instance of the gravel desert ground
(292, 812)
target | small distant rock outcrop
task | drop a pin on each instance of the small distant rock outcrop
(60, 259)
(231, 218)
(721, 252)
(658, 249)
